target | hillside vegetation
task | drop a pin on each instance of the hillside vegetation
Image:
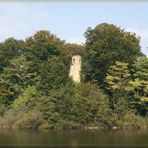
(36, 91)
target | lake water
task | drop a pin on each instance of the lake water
(33, 138)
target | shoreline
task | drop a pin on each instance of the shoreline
(85, 128)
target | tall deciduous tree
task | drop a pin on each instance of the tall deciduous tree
(40, 47)
(15, 78)
(53, 74)
(117, 78)
(105, 44)
(140, 84)
(10, 49)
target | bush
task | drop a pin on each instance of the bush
(26, 100)
(21, 120)
(132, 121)
(85, 104)
(63, 124)
(8, 119)
(28, 120)
(3, 108)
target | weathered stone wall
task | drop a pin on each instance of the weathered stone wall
(75, 68)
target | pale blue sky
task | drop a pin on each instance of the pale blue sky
(70, 20)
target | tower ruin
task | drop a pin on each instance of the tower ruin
(75, 68)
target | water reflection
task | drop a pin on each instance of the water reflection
(73, 138)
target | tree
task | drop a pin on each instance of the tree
(105, 44)
(85, 104)
(73, 49)
(53, 74)
(35, 88)
(15, 78)
(40, 47)
(140, 84)
(26, 100)
(118, 78)
(132, 89)
(10, 49)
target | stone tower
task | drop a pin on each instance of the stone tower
(75, 68)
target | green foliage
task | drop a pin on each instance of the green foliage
(47, 106)
(132, 121)
(118, 76)
(26, 100)
(73, 49)
(105, 44)
(10, 49)
(36, 91)
(120, 104)
(3, 108)
(117, 79)
(89, 105)
(15, 78)
(74, 106)
(126, 92)
(40, 47)
(53, 74)
(21, 120)
(29, 120)
(140, 84)
(8, 119)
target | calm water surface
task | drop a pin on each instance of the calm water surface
(26, 138)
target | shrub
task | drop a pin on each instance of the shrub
(28, 120)
(132, 121)
(3, 108)
(63, 124)
(8, 119)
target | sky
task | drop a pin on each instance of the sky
(69, 20)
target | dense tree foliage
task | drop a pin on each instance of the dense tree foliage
(10, 49)
(139, 86)
(36, 91)
(117, 79)
(53, 74)
(106, 44)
